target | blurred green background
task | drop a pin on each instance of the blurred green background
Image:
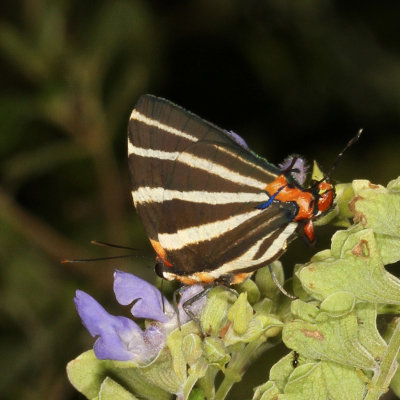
(290, 76)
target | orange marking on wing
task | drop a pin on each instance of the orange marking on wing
(197, 277)
(239, 278)
(160, 252)
(186, 280)
(204, 277)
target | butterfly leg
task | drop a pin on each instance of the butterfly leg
(308, 231)
(175, 303)
(290, 168)
(278, 284)
(187, 304)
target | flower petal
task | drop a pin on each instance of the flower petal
(129, 288)
(300, 165)
(196, 307)
(119, 338)
(237, 138)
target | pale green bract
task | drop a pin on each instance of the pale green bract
(332, 325)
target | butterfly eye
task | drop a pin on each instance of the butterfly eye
(324, 187)
(159, 267)
(325, 200)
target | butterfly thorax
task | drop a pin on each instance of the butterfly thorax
(311, 202)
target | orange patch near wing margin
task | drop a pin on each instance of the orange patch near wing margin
(160, 252)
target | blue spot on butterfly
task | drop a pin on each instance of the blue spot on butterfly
(267, 203)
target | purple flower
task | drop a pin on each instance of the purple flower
(299, 165)
(120, 338)
(238, 139)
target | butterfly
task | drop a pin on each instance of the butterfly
(214, 211)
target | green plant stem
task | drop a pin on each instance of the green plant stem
(207, 383)
(381, 380)
(239, 364)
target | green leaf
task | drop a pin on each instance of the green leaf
(324, 380)
(215, 352)
(331, 339)
(305, 311)
(354, 265)
(298, 289)
(192, 348)
(162, 373)
(280, 372)
(344, 194)
(87, 373)
(376, 207)
(368, 333)
(267, 391)
(175, 345)
(310, 380)
(111, 390)
(338, 304)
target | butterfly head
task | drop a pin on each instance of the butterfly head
(323, 193)
(323, 190)
(326, 194)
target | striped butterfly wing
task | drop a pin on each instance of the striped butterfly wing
(216, 225)
(196, 190)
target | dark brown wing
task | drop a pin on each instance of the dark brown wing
(196, 188)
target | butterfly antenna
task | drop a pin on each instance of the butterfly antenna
(84, 260)
(162, 295)
(117, 246)
(105, 244)
(175, 304)
(340, 155)
(289, 168)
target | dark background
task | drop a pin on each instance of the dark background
(289, 76)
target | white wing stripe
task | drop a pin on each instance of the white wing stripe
(146, 194)
(199, 163)
(137, 116)
(246, 260)
(200, 233)
(217, 169)
(151, 153)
